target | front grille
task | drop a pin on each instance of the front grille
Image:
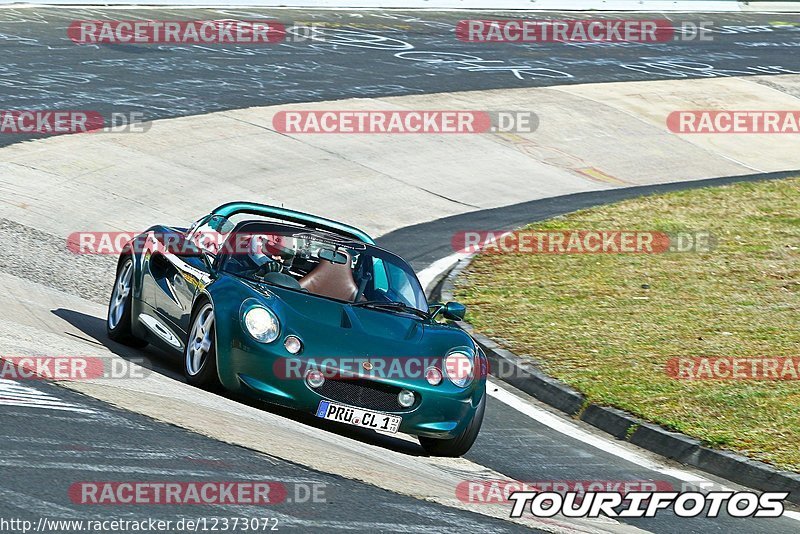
(362, 394)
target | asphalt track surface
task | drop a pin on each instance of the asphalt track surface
(355, 54)
(365, 54)
(91, 441)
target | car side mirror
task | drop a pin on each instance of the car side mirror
(453, 311)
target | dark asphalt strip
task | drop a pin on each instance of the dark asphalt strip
(368, 54)
(46, 451)
(423, 244)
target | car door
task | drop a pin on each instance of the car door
(173, 273)
(179, 278)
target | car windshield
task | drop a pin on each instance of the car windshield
(323, 264)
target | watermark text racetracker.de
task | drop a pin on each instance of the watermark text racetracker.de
(733, 368)
(734, 122)
(198, 32)
(205, 493)
(71, 368)
(431, 368)
(58, 122)
(176, 32)
(404, 122)
(581, 31)
(581, 242)
(498, 491)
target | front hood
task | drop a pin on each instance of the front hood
(331, 329)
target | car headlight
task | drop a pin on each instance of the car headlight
(262, 324)
(458, 367)
(433, 376)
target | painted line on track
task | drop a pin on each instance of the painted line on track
(15, 394)
(571, 429)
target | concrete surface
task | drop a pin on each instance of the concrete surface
(590, 137)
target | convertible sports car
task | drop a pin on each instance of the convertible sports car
(307, 313)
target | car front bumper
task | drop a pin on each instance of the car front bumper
(441, 411)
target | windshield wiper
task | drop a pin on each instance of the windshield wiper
(391, 305)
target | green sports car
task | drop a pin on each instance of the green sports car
(307, 313)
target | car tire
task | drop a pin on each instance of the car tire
(200, 352)
(458, 446)
(120, 315)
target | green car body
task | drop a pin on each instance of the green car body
(169, 287)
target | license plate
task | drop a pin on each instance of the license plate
(358, 417)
